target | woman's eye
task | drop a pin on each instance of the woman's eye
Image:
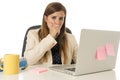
(61, 18)
(53, 17)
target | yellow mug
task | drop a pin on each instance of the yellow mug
(11, 64)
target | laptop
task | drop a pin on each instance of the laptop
(97, 52)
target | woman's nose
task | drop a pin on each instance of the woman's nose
(58, 22)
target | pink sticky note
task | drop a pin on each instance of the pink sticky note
(101, 53)
(38, 70)
(110, 49)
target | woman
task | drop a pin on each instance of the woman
(51, 44)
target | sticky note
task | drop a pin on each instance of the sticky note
(101, 53)
(110, 49)
(38, 70)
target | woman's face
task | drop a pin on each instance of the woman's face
(55, 19)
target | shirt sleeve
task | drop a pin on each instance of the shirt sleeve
(34, 52)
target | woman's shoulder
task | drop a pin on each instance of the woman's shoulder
(33, 31)
(71, 39)
(70, 36)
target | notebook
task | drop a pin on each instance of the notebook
(97, 52)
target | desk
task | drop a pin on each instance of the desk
(53, 75)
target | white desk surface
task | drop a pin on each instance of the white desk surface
(53, 75)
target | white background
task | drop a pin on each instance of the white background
(17, 15)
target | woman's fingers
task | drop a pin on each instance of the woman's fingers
(54, 30)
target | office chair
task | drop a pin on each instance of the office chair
(31, 28)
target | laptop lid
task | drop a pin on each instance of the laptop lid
(97, 51)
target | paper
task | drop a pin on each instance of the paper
(101, 53)
(110, 49)
(38, 70)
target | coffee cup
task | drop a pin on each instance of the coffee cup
(11, 64)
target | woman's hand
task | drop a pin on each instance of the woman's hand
(54, 30)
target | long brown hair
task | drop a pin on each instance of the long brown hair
(44, 31)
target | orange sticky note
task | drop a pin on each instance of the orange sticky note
(101, 53)
(110, 49)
